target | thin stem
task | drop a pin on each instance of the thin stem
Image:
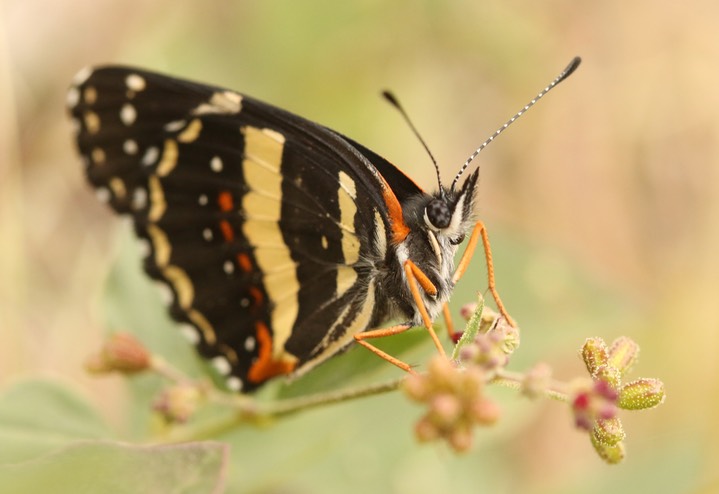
(251, 411)
(556, 390)
(294, 405)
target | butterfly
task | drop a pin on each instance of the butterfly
(282, 241)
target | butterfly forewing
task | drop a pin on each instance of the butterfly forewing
(265, 226)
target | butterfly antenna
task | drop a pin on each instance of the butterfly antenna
(395, 102)
(565, 73)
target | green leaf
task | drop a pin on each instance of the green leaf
(111, 468)
(471, 329)
(37, 416)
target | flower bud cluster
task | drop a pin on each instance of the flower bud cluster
(455, 400)
(595, 405)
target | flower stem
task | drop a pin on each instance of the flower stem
(248, 410)
(556, 390)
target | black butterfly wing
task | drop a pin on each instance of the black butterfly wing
(265, 226)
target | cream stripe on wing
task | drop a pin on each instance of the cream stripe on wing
(346, 195)
(261, 166)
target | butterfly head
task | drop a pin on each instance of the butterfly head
(450, 213)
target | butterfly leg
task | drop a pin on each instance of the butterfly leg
(448, 320)
(381, 333)
(416, 279)
(416, 276)
(480, 231)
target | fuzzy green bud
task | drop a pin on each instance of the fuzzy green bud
(623, 354)
(641, 394)
(609, 375)
(594, 354)
(611, 453)
(608, 431)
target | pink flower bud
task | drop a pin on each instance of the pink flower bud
(178, 403)
(123, 353)
(467, 310)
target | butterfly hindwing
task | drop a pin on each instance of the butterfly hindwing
(264, 225)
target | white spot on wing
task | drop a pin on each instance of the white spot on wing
(128, 114)
(207, 234)
(139, 198)
(166, 293)
(103, 194)
(250, 343)
(129, 146)
(221, 365)
(73, 97)
(135, 82)
(175, 125)
(144, 247)
(202, 200)
(190, 333)
(234, 383)
(83, 75)
(228, 267)
(150, 156)
(216, 164)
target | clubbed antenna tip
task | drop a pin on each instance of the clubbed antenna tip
(563, 75)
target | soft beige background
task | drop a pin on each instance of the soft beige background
(613, 178)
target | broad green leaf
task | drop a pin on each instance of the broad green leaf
(37, 416)
(112, 468)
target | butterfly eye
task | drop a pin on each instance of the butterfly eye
(437, 214)
(457, 241)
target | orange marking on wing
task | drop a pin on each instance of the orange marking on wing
(244, 262)
(225, 201)
(265, 366)
(227, 230)
(400, 230)
(256, 295)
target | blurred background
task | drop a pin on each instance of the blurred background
(602, 204)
